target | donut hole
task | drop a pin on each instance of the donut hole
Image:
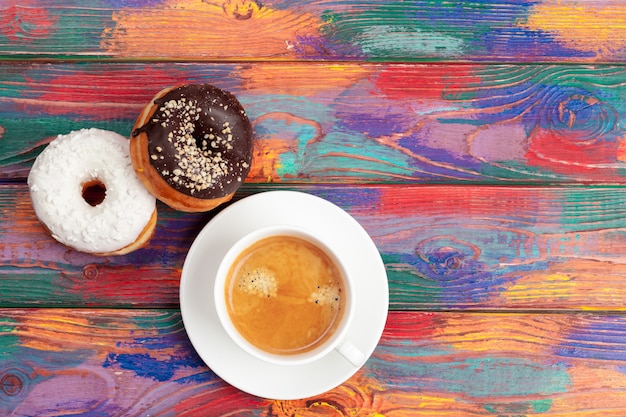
(94, 192)
(201, 143)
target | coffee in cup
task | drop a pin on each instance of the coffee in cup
(283, 295)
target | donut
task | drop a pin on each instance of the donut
(192, 146)
(84, 190)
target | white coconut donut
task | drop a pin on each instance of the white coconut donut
(84, 190)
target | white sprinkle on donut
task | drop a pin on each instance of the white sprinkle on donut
(56, 183)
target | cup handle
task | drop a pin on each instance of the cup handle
(351, 353)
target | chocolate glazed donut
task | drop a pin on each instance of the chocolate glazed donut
(192, 146)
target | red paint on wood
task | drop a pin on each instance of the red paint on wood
(110, 285)
(425, 82)
(227, 400)
(571, 153)
(20, 22)
(409, 325)
(105, 94)
(457, 201)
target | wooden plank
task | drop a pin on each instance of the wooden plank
(36, 270)
(445, 247)
(432, 30)
(140, 362)
(426, 123)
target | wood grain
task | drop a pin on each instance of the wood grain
(426, 30)
(480, 144)
(444, 247)
(57, 361)
(353, 122)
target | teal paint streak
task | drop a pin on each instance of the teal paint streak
(514, 170)
(9, 341)
(43, 286)
(163, 323)
(57, 29)
(302, 107)
(474, 377)
(314, 117)
(38, 129)
(402, 276)
(315, 155)
(519, 408)
(419, 350)
(429, 28)
(353, 152)
(583, 209)
(386, 40)
(299, 135)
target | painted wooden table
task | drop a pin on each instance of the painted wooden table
(482, 145)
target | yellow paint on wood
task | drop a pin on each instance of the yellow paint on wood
(586, 27)
(570, 284)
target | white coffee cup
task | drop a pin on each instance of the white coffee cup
(337, 341)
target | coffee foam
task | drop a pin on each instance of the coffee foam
(326, 295)
(263, 283)
(259, 281)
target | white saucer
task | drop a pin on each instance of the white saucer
(210, 340)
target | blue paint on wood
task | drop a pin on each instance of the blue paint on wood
(146, 366)
(598, 338)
